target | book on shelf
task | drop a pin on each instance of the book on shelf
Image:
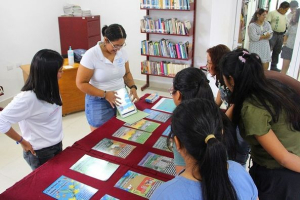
(138, 184)
(132, 135)
(114, 148)
(95, 167)
(165, 48)
(166, 4)
(162, 68)
(67, 188)
(159, 163)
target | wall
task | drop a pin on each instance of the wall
(32, 25)
(26, 27)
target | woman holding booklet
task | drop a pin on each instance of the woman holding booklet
(103, 69)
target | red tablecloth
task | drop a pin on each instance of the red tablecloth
(33, 185)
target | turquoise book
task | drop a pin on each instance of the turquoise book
(65, 188)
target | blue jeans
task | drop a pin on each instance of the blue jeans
(275, 44)
(242, 149)
(42, 155)
(98, 110)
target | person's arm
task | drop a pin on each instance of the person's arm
(128, 80)
(16, 137)
(285, 39)
(218, 99)
(274, 147)
(229, 111)
(83, 77)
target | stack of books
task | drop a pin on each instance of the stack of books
(74, 10)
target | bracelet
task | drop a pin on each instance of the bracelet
(19, 140)
(133, 86)
(104, 94)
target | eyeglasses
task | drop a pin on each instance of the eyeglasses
(117, 47)
(172, 91)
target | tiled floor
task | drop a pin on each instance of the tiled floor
(12, 165)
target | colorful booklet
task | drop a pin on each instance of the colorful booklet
(165, 104)
(108, 197)
(167, 131)
(138, 184)
(65, 188)
(114, 148)
(95, 167)
(161, 143)
(157, 116)
(132, 135)
(159, 163)
(126, 106)
(144, 125)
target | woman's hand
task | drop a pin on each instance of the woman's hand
(133, 95)
(27, 147)
(112, 98)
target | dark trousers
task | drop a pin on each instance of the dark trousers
(42, 155)
(276, 184)
(276, 44)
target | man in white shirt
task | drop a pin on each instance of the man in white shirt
(278, 21)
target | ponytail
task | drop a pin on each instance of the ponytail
(197, 123)
(216, 184)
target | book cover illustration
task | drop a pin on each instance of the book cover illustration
(65, 188)
(167, 131)
(159, 163)
(108, 197)
(114, 148)
(144, 125)
(165, 104)
(161, 144)
(126, 106)
(157, 116)
(138, 184)
(132, 135)
(95, 167)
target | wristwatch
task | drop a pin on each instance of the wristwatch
(133, 86)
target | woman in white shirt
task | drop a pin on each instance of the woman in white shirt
(104, 69)
(38, 110)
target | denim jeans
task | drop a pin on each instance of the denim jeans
(98, 110)
(42, 155)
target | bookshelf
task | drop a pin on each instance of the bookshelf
(169, 26)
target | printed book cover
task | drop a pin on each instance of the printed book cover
(159, 163)
(165, 104)
(65, 188)
(95, 167)
(114, 148)
(132, 135)
(138, 184)
(161, 144)
(144, 125)
(157, 115)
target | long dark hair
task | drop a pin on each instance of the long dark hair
(216, 53)
(259, 11)
(114, 32)
(250, 83)
(42, 79)
(192, 121)
(192, 83)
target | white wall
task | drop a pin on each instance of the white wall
(28, 26)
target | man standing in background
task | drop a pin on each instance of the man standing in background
(293, 6)
(278, 21)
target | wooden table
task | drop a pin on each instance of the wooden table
(72, 97)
